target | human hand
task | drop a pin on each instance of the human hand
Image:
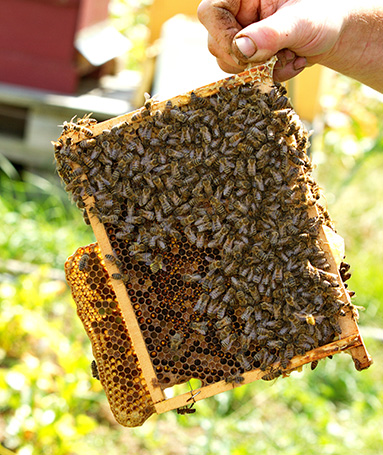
(299, 32)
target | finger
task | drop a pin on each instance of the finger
(260, 41)
(219, 19)
(284, 56)
(229, 68)
(223, 59)
(290, 70)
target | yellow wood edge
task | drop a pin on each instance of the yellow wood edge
(347, 323)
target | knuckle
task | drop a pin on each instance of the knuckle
(203, 10)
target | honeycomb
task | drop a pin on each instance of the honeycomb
(112, 348)
(211, 227)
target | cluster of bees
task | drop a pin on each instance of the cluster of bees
(213, 201)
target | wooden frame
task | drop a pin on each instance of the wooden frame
(349, 340)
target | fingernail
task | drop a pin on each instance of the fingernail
(246, 46)
(289, 56)
(278, 65)
(236, 60)
(300, 63)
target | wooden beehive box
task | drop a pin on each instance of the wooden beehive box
(214, 259)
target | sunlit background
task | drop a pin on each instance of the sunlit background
(50, 404)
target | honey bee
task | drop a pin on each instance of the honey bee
(195, 278)
(202, 302)
(211, 159)
(224, 332)
(207, 187)
(272, 375)
(149, 101)
(147, 214)
(314, 364)
(124, 277)
(260, 254)
(94, 369)
(200, 240)
(311, 319)
(192, 238)
(187, 220)
(251, 167)
(216, 292)
(156, 265)
(275, 344)
(200, 327)
(206, 135)
(83, 262)
(229, 186)
(221, 311)
(336, 326)
(218, 206)
(88, 162)
(115, 176)
(177, 115)
(221, 323)
(82, 129)
(86, 217)
(234, 379)
(224, 93)
(245, 364)
(136, 248)
(87, 143)
(113, 259)
(256, 135)
(229, 296)
(241, 207)
(165, 204)
(228, 342)
(136, 116)
(175, 341)
(290, 280)
(176, 200)
(277, 177)
(241, 298)
(253, 290)
(186, 410)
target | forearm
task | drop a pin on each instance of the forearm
(358, 53)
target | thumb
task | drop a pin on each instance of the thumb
(260, 41)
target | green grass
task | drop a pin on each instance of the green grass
(41, 225)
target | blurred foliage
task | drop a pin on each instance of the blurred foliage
(36, 213)
(131, 19)
(349, 157)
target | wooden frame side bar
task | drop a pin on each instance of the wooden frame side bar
(127, 310)
(348, 323)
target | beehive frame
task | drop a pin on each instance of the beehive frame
(349, 339)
